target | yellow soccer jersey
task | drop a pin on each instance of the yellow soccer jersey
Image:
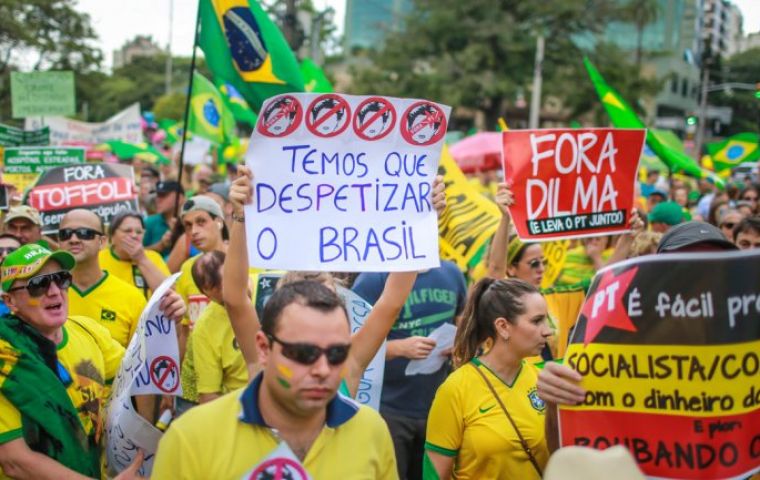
(111, 302)
(191, 294)
(219, 364)
(91, 358)
(227, 438)
(466, 422)
(127, 271)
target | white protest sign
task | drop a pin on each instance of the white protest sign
(150, 366)
(196, 151)
(444, 340)
(371, 383)
(125, 125)
(343, 183)
(282, 463)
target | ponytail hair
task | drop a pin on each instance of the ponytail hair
(489, 299)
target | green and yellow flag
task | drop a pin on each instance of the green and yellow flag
(245, 48)
(237, 104)
(623, 116)
(314, 78)
(742, 147)
(209, 117)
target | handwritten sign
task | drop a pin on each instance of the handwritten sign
(335, 192)
(371, 383)
(125, 125)
(671, 364)
(571, 183)
(154, 343)
(42, 93)
(23, 166)
(106, 189)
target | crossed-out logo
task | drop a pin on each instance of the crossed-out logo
(281, 116)
(535, 400)
(375, 118)
(328, 115)
(423, 123)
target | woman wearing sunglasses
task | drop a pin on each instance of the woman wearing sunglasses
(487, 420)
(364, 343)
(125, 257)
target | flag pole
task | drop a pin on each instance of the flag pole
(187, 106)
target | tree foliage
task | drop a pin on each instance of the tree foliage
(741, 68)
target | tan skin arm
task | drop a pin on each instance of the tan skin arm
(443, 464)
(497, 258)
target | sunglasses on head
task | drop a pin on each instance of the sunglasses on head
(39, 285)
(307, 354)
(83, 233)
(536, 262)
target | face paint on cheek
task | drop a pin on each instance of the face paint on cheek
(33, 302)
(284, 372)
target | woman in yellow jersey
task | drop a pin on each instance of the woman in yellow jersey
(487, 420)
(125, 257)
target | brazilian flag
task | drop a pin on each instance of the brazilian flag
(245, 48)
(623, 116)
(314, 78)
(740, 148)
(237, 104)
(209, 117)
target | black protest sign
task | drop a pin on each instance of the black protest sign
(669, 350)
(105, 189)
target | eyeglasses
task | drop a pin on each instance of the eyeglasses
(39, 285)
(536, 263)
(307, 354)
(729, 225)
(7, 250)
(82, 233)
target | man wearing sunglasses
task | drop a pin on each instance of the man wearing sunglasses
(94, 293)
(303, 345)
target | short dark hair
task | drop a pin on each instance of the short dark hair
(205, 270)
(119, 219)
(307, 293)
(748, 224)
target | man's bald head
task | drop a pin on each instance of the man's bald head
(82, 234)
(80, 217)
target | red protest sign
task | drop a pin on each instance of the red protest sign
(571, 182)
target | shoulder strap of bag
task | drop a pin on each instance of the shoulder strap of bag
(523, 443)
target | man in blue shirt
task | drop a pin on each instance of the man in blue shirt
(438, 297)
(158, 227)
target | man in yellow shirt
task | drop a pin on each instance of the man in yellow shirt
(94, 293)
(303, 345)
(219, 364)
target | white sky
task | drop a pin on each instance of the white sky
(117, 21)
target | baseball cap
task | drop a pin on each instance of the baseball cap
(669, 213)
(28, 260)
(23, 211)
(691, 233)
(660, 193)
(168, 186)
(199, 203)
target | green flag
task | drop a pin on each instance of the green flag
(142, 151)
(314, 78)
(209, 117)
(623, 116)
(244, 48)
(428, 469)
(742, 147)
(237, 104)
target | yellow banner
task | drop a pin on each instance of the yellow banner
(689, 380)
(469, 219)
(555, 254)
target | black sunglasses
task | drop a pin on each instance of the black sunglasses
(83, 233)
(535, 263)
(307, 354)
(39, 285)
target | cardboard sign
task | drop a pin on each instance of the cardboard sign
(42, 93)
(669, 350)
(125, 125)
(371, 383)
(570, 183)
(106, 189)
(23, 166)
(328, 198)
(16, 137)
(146, 369)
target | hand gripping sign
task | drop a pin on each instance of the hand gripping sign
(570, 183)
(343, 183)
(669, 350)
(150, 367)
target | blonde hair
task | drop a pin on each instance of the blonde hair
(645, 243)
